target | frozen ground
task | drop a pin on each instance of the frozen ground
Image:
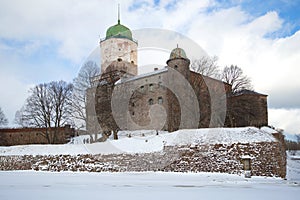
(151, 185)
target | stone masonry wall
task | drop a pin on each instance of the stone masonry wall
(23, 136)
(267, 160)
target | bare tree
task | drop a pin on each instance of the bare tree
(206, 66)
(3, 119)
(48, 106)
(298, 137)
(81, 83)
(234, 76)
(20, 118)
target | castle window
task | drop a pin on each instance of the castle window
(132, 104)
(175, 66)
(160, 100)
(132, 113)
(119, 59)
(151, 87)
(150, 102)
(132, 62)
(142, 88)
(159, 84)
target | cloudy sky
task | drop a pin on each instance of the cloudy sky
(47, 40)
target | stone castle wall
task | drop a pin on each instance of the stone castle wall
(217, 106)
(266, 160)
(23, 136)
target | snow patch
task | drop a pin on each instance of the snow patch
(146, 141)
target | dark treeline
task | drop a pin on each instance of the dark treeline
(292, 145)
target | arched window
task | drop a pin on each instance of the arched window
(150, 102)
(150, 87)
(159, 84)
(142, 88)
(160, 100)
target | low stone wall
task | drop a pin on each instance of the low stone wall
(24, 136)
(268, 160)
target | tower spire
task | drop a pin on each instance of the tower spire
(118, 13)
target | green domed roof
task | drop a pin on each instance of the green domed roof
(118, 31)
(178, 53)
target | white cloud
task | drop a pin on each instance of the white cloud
(262, 25)
(238, 38)
(287, 119)
(75, 25)
(13, 93)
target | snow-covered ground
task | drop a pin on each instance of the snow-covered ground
(293, 166)
(150, 185)
(147, 141)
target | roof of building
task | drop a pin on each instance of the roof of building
(118, 31)
(247, 92)
(177, 53)
(123, 80)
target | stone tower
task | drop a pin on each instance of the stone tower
(179, 62)
(118, 45)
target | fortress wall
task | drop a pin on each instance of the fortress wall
(266, 160)
(23, 136)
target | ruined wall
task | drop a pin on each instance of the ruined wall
(266, 160)
(23, 136)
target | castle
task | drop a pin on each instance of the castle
(169, 99)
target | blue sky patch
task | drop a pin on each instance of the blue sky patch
(287, 10)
